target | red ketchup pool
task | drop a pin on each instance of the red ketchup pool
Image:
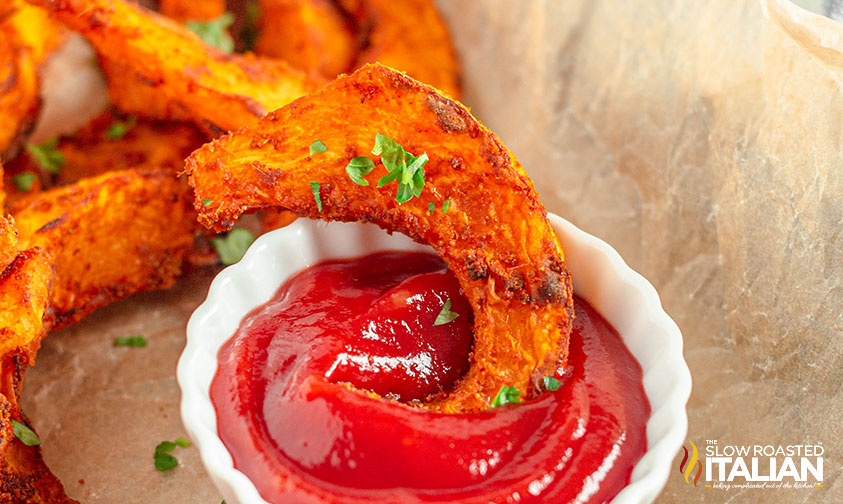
(294, 426)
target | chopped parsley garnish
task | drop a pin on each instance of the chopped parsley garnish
(206, 202)
(314, 187)
(25, 434)
(431, 207)
(403, 167)
(214, 32)
(446, 205)
(507, 395)
(48, 156)
(23, 181)
(359, 167)
(232, 246)
(249, 33)
(318, 147)
(551, 383)
(446, 315)
(164, 461)
(133, 341)
(118, 129)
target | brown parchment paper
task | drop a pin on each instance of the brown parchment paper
(701, 139)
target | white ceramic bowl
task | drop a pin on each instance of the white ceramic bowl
(627, 300)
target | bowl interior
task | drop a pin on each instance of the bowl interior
(600, 276)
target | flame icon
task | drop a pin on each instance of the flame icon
(691, 464)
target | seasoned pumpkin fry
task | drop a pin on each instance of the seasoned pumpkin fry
(495, 236)
(27, 38)
(311, 35)
(410, 36)
(315, 36)
(92, 243)
(24, 294)
(137, 94)
(24, 288)
(110, 142)
(19, 99)
(112, 236)
(218, 91)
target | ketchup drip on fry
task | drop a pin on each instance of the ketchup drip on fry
(293, 424)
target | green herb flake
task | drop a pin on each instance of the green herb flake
(446, 205)
(164, 461)
(431, 207)
(446, 315)
(165, 447)
(23, 181)
(387, 179)
(551, 383)
(25, 434)
(403, 167)
(118, 129)
(206, 202)
(133, 341)
(233, 245)
(318, 147)
(359, 167)
(47, 155)
(389, 150)
(507, 395)
(214, 32)
(314, 187)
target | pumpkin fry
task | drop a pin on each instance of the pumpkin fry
(94, 242)
(24, 287)
(27, 37)
(495, 236)
(410, 36)
(96, 149)
(122, 77)
(112, 236)
(312, 35)
(18, 92)
(315, 36)
(191, 80)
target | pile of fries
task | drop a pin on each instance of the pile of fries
(107, 212)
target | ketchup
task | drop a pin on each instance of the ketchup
(291, 401)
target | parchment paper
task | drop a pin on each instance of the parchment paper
(700, 139)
